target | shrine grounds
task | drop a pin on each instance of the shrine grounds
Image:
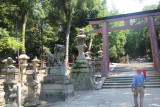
(113, 97)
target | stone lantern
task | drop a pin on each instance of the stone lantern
(23, 64)
(10, 70)
(35, 63)
(81, 72)
(100, 52)
(88, 56)
(35, 66)
(5, 62)
(81, 44)
(32, 84)
(10, 84)
(32, 88)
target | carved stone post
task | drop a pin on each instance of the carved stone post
(10, 84)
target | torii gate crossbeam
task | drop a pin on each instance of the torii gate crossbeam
(126, 18)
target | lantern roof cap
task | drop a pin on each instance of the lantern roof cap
(81, 34)
(23, 56)
(35, 59)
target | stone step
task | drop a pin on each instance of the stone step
(129, 86)
(146, 83)
(156, 76)
(130, 78)
(125, 82)
(128, 81)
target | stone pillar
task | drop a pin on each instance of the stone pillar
(10, 84)
(81, 72)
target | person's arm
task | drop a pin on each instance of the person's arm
(145, 76)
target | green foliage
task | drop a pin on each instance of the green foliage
(3, 33)
(46, 50)
(138, 40)
(8, 45)
(138, 43)
(38, 11)
(48, 20)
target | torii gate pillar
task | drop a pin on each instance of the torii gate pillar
(105, 67)
(154, 44)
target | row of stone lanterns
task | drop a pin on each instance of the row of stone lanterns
(82, 74)
(12, 87)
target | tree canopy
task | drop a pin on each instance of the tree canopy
(37, 25)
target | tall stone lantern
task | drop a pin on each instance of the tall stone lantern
(23, 64)
(10, 84)
(81, 72)
(32, 84)
(81, 44)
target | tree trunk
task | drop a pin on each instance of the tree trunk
(23, 30)
(90, 45)
(68, 11)
(67, 38)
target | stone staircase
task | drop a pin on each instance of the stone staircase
(125, 82)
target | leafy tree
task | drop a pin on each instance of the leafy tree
(138, 40)
(30, 8)
(8, 45)
(65, 7)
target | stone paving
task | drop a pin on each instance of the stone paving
(109, 98)
(113, 97)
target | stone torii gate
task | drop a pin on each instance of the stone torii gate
(126, 18)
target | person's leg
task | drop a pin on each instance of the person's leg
(141, 96)
(135, 98)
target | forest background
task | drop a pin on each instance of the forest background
(37, 25)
